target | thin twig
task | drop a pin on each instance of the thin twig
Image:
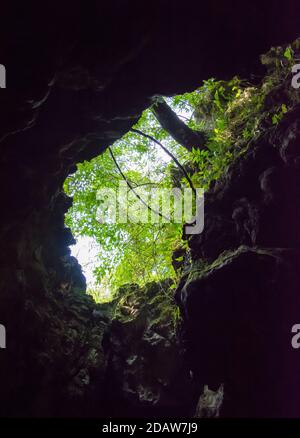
(132, 188)
(137, 131)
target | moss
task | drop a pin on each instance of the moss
(155, 301)
(234, 113)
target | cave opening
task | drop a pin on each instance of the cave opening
(188, 140)
(200, 138)
(111, 251)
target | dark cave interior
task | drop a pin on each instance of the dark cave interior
(79, 76)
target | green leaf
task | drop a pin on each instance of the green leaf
(288, 53)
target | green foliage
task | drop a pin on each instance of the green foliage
(234, 112)
(129, 252)
(288, 53)
(277, 117)
(230, 113)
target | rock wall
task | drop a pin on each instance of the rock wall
(240, 297)
(147, 372)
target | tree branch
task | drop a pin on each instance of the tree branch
(171, 123)
(132, 188)
(137, 131)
